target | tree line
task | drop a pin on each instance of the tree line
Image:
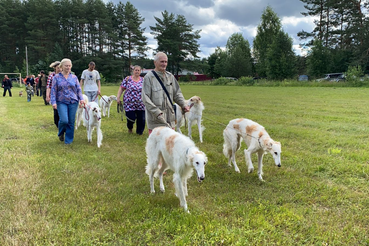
(109, 34)
(112, 36)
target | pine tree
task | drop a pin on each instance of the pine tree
(176, 38)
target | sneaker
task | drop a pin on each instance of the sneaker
(61, 137)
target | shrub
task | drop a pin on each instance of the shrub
(245, 81)
(221, 81)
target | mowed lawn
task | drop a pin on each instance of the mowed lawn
(52, 194)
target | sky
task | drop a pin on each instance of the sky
(219, 19)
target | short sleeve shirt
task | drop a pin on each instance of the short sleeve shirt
(90, 80)
(132, 97)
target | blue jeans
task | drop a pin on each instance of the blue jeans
(67, 117)
(92, 96)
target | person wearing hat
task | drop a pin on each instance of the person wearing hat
(91, 79)
(42, 83)
(57, 69)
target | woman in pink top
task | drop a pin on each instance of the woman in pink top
(133, 105)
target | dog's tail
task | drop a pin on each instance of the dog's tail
(232, 140)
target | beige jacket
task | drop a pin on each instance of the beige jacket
(156, 101)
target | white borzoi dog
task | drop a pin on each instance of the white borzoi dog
(256, 139)
(80, 111)
(193, 117)
(176, 152)
(105, 103)
(92, 120)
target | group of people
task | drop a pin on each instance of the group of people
(146, 99)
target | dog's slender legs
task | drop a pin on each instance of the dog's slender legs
(179, 190)
(233, 158)
(89, 133)
(99, 136)
(199, 127)
(250, 167)
(189, 129)
(260, 164)
(184, 184)
(109, 109)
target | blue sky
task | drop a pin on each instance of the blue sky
(219, 19)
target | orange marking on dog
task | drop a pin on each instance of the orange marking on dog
(169, 143)
(239, 120)
(251, 129)
(159, 129)
(261, 134)
(236, 126)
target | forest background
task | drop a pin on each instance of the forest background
(112, 36)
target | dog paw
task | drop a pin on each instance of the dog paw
(237, 170)
(250, 170)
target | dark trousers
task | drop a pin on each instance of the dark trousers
(139, 117)
(43, 93)
(7, 89)
(56, 117)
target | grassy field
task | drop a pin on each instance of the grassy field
(52, 194)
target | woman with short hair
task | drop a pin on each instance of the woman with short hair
(65, 96)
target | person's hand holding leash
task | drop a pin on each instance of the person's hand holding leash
(187, 109)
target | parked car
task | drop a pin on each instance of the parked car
(333, 77)
(303, 78)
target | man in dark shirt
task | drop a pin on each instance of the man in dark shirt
(42, 85)
(7, 85)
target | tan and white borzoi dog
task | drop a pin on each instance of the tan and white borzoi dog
(80, 111)
(105, 103)
(256, 139)
(92, 120)
(193, 117)
(175, 152)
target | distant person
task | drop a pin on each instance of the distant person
(159, 111)
(57, 69)
(37, 85)
(133, 105)
(66, 95)
(42, 85)
(7, 85)
(90, 81)
(29, 90)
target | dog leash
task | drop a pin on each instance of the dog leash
(104, 100)
(232, 128)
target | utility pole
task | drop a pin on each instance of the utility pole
(27, 61)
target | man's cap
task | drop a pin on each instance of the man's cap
(54, 64)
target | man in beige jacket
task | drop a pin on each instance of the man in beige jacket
(159, 111)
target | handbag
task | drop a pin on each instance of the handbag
(166, 92)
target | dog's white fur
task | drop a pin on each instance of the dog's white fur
(256, 139)
(80, 112)
(176, 152)
(193, 117)
(92, 120)
(105, 103)
(21, 93)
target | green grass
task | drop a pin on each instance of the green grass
(52, 194)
